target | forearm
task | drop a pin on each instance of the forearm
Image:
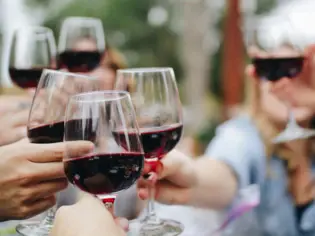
(216, 184)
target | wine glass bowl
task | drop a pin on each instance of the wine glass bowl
(81, 44)
(46, 122)
(158, 110)
(109, 168)
(32, 50)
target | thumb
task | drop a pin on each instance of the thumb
(178, 169)
(122, 223)
(167, 193)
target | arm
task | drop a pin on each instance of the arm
(216, 184)
(235, 158)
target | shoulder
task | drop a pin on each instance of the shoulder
(240, 132)
(237, 143)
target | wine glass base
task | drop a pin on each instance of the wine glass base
(293, 134)
(26, 228)
(161, 228)
(33, 229)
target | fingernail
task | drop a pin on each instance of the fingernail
(124, 223)
(147, 176)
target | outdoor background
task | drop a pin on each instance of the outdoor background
(195, 37)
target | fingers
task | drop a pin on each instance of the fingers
(54, 152)
(45, 171)
(19, 118)
(144, 184)
(37, 207)
(44, 189)
(14, 135)
(172, 163)
(168, 193)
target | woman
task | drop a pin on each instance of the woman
(242, 154)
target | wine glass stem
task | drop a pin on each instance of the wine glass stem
(49, 219)
(151, 214)
(109, 201)
(291, 118)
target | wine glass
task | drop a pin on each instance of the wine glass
(98, 117)
(46, 123)
(276, 53)
(81, 44)
(159, 113)
(32, 50)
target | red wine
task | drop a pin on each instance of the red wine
(156, 141)
(25, 78)
(274, 69)
(79, 61)
(53, 133)
(104, 173)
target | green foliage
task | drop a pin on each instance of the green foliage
(33, 3)
(149, 45)
(265, 6)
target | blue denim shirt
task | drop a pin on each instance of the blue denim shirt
(238, 144)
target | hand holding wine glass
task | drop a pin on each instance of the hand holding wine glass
(46, 121)
(109, 168)
(176, 179)
(30, 175)
(32, 50)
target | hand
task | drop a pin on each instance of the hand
(185, 181)
(13, 126)
(87, 217)
(14, 103)
(295, 92)
(30, 175)
(176, 178)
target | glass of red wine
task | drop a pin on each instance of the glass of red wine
(277, 54)
(81, 44)
(46, 122)
(109, 168)
(32, 50)
(158, 109)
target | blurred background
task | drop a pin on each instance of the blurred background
(192, 36)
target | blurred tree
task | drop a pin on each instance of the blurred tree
(127, 27)
(215, 86)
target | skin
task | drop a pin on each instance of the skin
(95, 221)
(198, 182)
(30, 175)
(14, 110)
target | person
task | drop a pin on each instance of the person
(87, 217)
(110, 62)
(242, 153)
(30, 175)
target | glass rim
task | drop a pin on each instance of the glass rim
(145, 70)
(66, 73)
(116, 95)
(33, 29)
(84, 18)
